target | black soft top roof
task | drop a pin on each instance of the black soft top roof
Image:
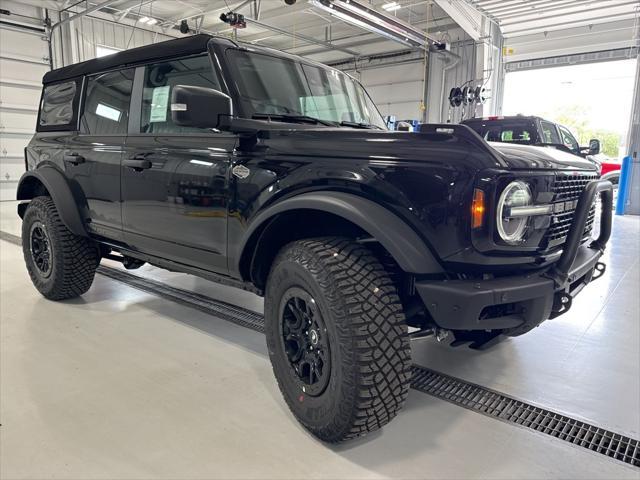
(511, 119)
(181, 46)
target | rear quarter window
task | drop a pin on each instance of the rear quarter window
(508, 133)
(59, 106)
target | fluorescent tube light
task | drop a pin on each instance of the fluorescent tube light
(361, 14)
(152, 21)
(144, 19)
(391, 6)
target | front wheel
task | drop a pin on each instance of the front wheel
(337, 337)
(61, 265)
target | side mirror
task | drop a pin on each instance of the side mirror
(594, 146)
(198, 106)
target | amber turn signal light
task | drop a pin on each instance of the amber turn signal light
(477, 209)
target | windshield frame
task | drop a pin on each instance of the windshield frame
(243, 112)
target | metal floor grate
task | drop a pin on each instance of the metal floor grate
(454, 390)
(508, 409)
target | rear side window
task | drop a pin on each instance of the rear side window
(159, 81)
(58, 105)
(106, 104)
(549, 132)
(510, 134)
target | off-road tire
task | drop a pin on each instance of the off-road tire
(74, 259)
(370, 350)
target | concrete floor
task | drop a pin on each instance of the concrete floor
(123, 384)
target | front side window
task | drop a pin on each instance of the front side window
(549, 132)
(279, 86)
(568, 140)
(57, 105)
(159, 81)
(106, 105)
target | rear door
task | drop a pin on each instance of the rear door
(94, 153)
(175, 180)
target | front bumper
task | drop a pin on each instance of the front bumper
(525, 300)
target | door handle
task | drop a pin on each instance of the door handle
(74, 158)
(137, 164)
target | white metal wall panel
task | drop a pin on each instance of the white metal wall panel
(23, 62)
(91, 32)
(395, 89)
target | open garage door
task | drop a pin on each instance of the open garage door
(23, 61)
(592, 98)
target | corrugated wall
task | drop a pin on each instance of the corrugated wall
(87, 33)
(23, 61)
(396, 89)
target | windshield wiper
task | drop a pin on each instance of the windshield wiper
(285, 117)
(369, 126)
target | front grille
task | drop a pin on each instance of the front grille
(567, 189)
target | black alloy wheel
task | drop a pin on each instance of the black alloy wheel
(305, 340)
(40, 248)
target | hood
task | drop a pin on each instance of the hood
(442, 149)
(379, 146)
(527, 157)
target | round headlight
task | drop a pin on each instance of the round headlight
(512, 229)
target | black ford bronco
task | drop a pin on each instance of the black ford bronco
(263, 170)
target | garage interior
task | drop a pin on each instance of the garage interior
(156, 374)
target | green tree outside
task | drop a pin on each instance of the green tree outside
(575, 117)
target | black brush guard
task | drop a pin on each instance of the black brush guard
(528, 299)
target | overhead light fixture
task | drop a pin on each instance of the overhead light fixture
(363, 15)
(148, 20)
(391, 6)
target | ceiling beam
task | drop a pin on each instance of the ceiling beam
(559, 5)
(81, 14)
(564, 24)
(580, 12)
(466, 15)
(529, 6)
(301, 37)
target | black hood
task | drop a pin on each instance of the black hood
(527, 157)
(357, 144)
(380, 145)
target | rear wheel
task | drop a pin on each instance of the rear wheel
(61, 265)
(337, 337)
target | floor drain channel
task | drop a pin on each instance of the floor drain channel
(508, 409)
(454, 390)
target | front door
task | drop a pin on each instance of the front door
(175, 180)
(94, 154)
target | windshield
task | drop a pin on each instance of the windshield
(278, 86)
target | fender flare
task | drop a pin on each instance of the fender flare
(394, 234)
(58, 187)
(611, 175)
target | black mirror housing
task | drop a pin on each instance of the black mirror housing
(198, 106)
(594, 146)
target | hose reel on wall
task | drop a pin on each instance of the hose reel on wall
(466, 96)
